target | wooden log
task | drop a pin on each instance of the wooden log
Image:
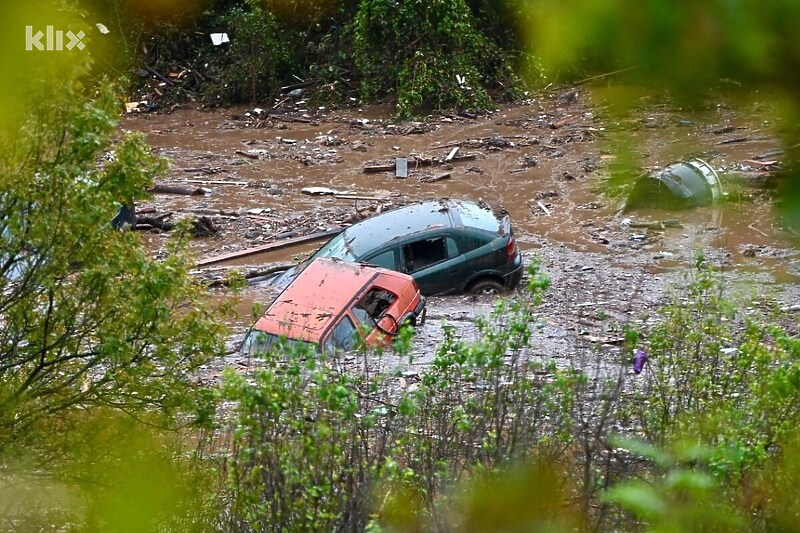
(379, 168)
(160, 188)
(284, 243)
(358, 197)
(569, 119)
(434, 179)
(218, 182)
(205, 170)
(160, 77)
(465, 157)
(153, 222)
(246, 154)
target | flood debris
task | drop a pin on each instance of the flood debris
(252, 154)
(569, 119)
(543, 208)
(362, 197)
(222, 276)
(679, 185)
(369, 169)
(434, 179)
(416, 161)
(142, 106)
(219, 182)
(319, 191)
(201, 226)
(162, 188)
(401, 167)
(219, 38)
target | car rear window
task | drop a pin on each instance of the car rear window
(475, 216)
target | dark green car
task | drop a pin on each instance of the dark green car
(447, 246)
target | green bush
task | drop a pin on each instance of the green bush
(257, 59)
(427, 55)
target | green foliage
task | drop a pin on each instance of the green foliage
(88, 317)
(113, 474)
(729, 379)
(430, 56)
(307, 442)
(320, 441)
(259, 56)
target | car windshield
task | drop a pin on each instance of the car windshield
(338, 247)
(259, 342)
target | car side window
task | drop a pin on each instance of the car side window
(420, 254)
(385, 260)
(369, 308)
(473, 242)
(343, 336)
(452, 247)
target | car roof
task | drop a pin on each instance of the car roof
(378, 230)
(310, 304)
(368, 234)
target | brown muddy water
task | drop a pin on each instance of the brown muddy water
(553, 150)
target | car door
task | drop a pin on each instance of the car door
(436, 263)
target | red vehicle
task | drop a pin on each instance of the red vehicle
(331, 302)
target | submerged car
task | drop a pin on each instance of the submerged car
(447, 246)
(331, 302)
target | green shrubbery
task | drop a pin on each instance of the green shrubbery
(324, 444)
(425, 56)
(99, 341)
(430, 56)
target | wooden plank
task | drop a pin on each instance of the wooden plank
(358, 197)
(379, 168)
(283, 243)
(543, 208)
(452, 154)
(217, 182)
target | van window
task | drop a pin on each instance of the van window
(343, 336)
(373, 305)
(420, 254)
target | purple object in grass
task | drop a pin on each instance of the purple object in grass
(640, 358)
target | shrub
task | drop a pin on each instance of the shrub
(429, 56)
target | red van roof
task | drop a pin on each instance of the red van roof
(306, 308)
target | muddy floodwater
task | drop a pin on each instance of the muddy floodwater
(546, 161)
